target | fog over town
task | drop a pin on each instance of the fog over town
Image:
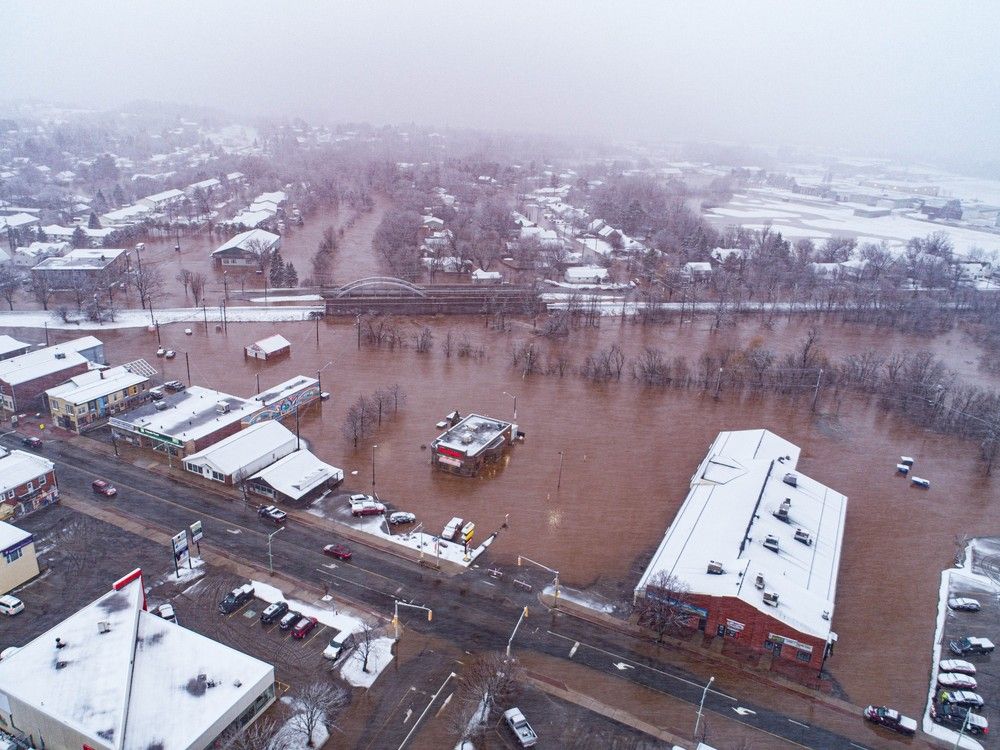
(462, 375)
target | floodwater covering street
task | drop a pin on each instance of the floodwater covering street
(628, 455)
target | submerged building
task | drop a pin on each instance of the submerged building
(472, 443)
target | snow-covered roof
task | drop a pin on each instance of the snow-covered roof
(142, 683)
(245, 447)
(10, 344)
(81, 259)
(17, 220)
(211, 182)
(278, 196)
(729, 513)
(243, 239)
(94, 384)
(251, 218)
(470, 436)
(166, 195)
(298, 473)
(480, 274)
(700, 266)
(51, 359)
(271, 344)
(190, 414)
(44, 248)
(586, 272)
(18, 467)
(285, 389)
(11, 536)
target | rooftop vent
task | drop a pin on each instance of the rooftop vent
(826, 614)
(759, 581)
(103, 626)
(771, 542)
(60, 355)
(782, 512)
(771, 598)
(467, 437)
(60, 643)
(801, 535)
(791, 479)
(715, 568)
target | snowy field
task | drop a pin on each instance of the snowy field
(798, 216)
(140, 318)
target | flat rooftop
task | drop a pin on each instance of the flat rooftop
(284, 390)
(31, 365)
(82, 259)
(236, 451)
(730, 512)
(470, 436)
(94, 384)
(189, 415)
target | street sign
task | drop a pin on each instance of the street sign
(180, 545)
(196, 532)
(467, 531)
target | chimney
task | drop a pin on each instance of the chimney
(60, 643)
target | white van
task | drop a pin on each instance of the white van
(11, 605)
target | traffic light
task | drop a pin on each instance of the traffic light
(526, 612)
(430, 615)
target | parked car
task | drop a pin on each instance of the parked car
(451, 529)
(340, 551)
(102, 487)
(971, 645)
(337, 644)
(367, 508)
(303, 627)
(526, 736)
(31, 442)
(166, 611)
(171, 354)
(964, 698)
(959, 666)
(958, 717)
(174, 385)
(272, 514)
(358, 498)
(156, 394)
(964, 604)
(956, 681)
(891, 718)
(290, 618)
(273, 613)
(11, 605)
(236, 599)
(160, 352)
(400, 517)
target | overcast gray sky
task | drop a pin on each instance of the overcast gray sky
(916, 76)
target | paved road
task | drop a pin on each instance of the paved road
(470, 609)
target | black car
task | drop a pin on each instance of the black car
(290, 618)
(273, 612)
(31, 442)
(174, 385)
(958, 717)
(236, 599)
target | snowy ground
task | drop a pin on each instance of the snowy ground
(579, 597)
(379, 657)
(323, 612)
(293, 738)
(185, 573)
(141, 319)
(288, 298)
(952, 578)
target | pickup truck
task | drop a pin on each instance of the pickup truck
(519, 725)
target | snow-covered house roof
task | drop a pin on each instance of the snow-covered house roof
(36, 249)
(17, 220)
(31, 365)
(272, 344)
(698, 267)
(10, 344)
(93, 384)
(248, 240)
(18, 467)
(722, 254)
(81, 259)
(298, 473)
(729, 513)
(167, 196)
(251, 218)
(133, 682)
(583, 274)
(258, 442)
(11, 536)
(277, 197)
(481, 275)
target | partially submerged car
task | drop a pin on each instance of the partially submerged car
(956, 681)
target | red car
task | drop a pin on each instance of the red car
(337, 550)
(367, 508)
(303, 627)
(103, 488)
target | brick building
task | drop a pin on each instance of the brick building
(25, 378)
(471, 443)
(757, 544)
(86, 400)
(27, 483)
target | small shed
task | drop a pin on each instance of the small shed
(269, 348)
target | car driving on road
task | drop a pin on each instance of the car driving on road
(31, 442)
(272, 514)
(102, 487)
(339, 551)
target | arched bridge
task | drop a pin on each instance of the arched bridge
(386, 294)
(379, 286)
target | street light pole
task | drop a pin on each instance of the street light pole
(373, 466)
(515, 402)
(270, 559)
(524, 614)
(559, 481)
(701, 706)
(319, 377)
(521, 559)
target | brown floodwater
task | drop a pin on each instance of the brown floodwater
(629, 453)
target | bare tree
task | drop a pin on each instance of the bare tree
(9, 283)
(665, 608)
(315, 706)
(489, 681)
(149, 283)
(41, 289)
(424, 339)
(184, 276)
(364, 640)
(197, 282)
(358, 420)
(263, 733)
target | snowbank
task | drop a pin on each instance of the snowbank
(579, 597)
(379, 657)
(329, 617)
(140, 318)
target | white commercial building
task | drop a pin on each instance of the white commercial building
(243, 454)
(294, 477)
(113, 676)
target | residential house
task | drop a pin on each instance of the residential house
(245, 248)
(83, 266)
(27, 483)
(243, 454)
(697, 270)
(29, 256)
(271, 347)
(126, 216)
(251, 219)
(586, 275)
(17, 222)
(86, 400)
(160, 202)
(18, 562)
(479, 276)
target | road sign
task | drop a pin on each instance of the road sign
(180, 544)
(196, 532)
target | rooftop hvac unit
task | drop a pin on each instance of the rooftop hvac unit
(103, 626)
(715, 568)
(791, 479)
(771, 598)
(826, 614)
(771, 542)
(782, 512)
(803, 536)
(222, 407)
(467, 437)
(759, 581)
(60, 355)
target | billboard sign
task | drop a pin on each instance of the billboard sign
(450, 461)
(180, 544)
(196, 532)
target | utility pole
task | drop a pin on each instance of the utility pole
(298, 440)
(187, 363)
(46, 334)
(204, 314)
(701, 706)
(819, 380)
(718, 383)
(270, 558)
(358, 323)
(258, 383)
(317, 331)
(158, 342)
(559, 481)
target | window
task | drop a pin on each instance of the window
(803, 655)
(12, 555)
(768, 644)
(218, 477)
(41, 480)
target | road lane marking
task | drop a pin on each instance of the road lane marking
(651, 669)
(572, 651)
(798, 723)
(861, 747)
(744, 711)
